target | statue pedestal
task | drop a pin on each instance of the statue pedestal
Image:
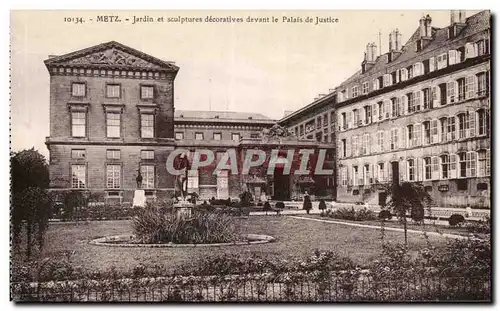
(139, 198)
(183, 209)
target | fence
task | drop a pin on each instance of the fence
(264, 288)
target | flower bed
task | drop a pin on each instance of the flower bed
(131, 241)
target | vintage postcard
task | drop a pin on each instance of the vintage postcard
(251, 156)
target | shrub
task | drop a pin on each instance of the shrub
(456, 219)
(267, 206)
(481, 226)
(353, 214)
(385, 214)
(280, 205)
(153, 226)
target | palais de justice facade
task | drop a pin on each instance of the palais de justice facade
(112, 115)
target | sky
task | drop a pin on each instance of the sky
(249, 67)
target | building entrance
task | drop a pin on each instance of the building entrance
(281, 185)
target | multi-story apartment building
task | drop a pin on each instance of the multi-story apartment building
(316, 121)
(421, 110)
(112, 117)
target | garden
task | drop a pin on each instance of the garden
(300, 259)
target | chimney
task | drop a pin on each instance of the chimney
(461, 17)
(370, 54)
(422, 27)
(458, 23)
(397, 40)
(394, 45)
(453, 17)
(428, 27)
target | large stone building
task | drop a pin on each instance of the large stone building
(112, 116)
(421, 110)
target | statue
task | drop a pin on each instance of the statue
(139, 179)
(182, 164)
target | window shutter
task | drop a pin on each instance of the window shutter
(397, 76)
(387, 108)
(435, 168)
(402, 138)
(418, 168)
(470, 86)
(375, 84)
(453, 166)
(471, 131)
(452, 57)
(469, 50)
(435, 131)
(403, 109)
(436, 96)
(432, 63)
(418, 134)
(348, 146)
(451, 95)
(375, 112)
(402, 170)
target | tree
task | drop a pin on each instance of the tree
(31, 203)
(408, 198)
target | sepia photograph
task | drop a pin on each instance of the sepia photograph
(187, 156)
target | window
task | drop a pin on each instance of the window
(410, 71)
(344, 147)
(387, 80)
(467, 164)
(368, 114)
(356, 118)
(113, 175)
(148, 176)
(466, 125)
(113, 90)
(482, 84)
(461, 89)
(78, 176)
(451, 92)
(411, 170)
(179, 135)
(451, 135)
(78, 124)
(434, 131)
(318, 122)
(355, 91)
(445, 164)
(395, 107)
(470, 87)
(435, 167)
(365, 144)
(235, 136)
(411, 102)
(443, 126)
(414, 135)
(427, 132)
(217, 136)
(442, 61)
(113, 124)
(113, 154)
(364, 88)
(366, 174)
(147, 92)
(483, 47)
(147, 125)
(483, 160)
(380, 141)
(427, 98)
(418, 69)
(394, 139)
(343, 176)
(78, 89)
(147, 154)
(442, 97)
(427, 168)
(78, 154)
(198, 136)
(483, 117)
(344, 120)
(381, 173)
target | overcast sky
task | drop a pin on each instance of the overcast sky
(264, 68)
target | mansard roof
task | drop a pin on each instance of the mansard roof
(474, 24)
(221, 116)
(111, 55)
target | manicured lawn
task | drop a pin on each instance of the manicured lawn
(295, 238)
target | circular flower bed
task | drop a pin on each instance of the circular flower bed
(131, 241)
